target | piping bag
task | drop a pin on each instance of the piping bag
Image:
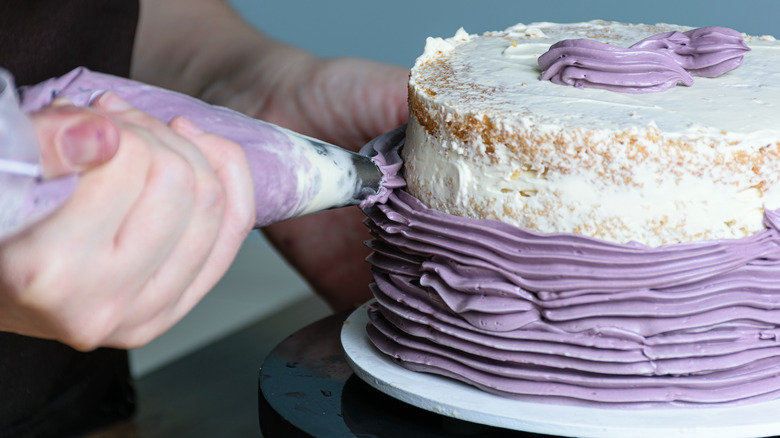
(293, 175)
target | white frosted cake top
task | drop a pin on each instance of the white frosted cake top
(506, 70)
(489, 139)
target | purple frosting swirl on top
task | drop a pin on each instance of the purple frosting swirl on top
(654, 64)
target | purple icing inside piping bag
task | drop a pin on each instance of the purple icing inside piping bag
(654, 64)
(272, 170)
(286, 167)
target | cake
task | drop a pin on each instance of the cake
(488, 139)
(603, 237)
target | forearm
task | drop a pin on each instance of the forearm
(214, 55)
(204, 49)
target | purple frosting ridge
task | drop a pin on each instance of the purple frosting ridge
(654, 64)
(383, 151)
(563, 318)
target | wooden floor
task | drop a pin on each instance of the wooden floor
(212, 392)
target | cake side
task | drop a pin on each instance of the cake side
(564, 318)
(568, 319)
(487, 139)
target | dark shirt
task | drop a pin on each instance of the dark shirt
(40, 39)
(47, 388)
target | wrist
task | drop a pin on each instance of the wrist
(267, 85)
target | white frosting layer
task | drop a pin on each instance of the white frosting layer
(698, 206)
(673, 192)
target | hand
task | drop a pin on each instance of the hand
(346, 102)
(158, 216)
(343, 101)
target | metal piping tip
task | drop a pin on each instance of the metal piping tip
(367, 175)
(341, 177)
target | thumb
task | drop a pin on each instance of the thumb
(73, 139)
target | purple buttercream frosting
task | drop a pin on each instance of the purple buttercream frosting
(389, 162)
(563, 318)
(654, 64)
(273, 159)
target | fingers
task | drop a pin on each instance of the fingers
(206, 240)
(182, 204)
(232, 170)
(144, 237)
(73, 139)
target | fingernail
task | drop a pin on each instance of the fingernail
(112, 102)
(188, 126)
(61, 101)
(85, 143)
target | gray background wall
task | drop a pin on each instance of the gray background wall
(395, 30)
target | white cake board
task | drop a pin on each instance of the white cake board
(457, 400)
